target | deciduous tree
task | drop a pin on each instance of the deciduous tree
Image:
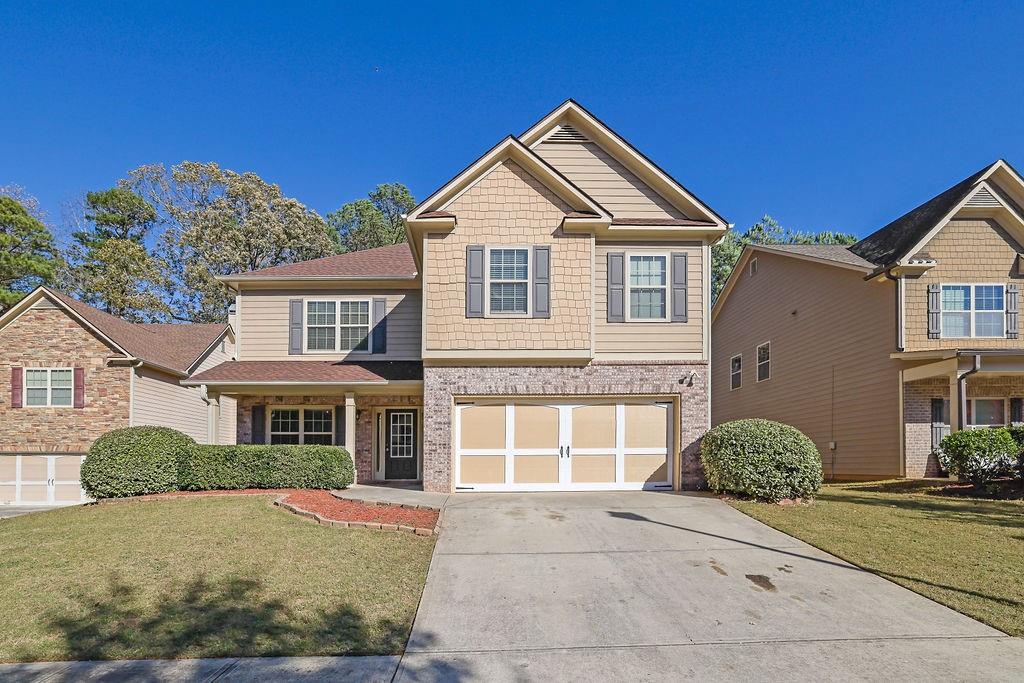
(375, 221)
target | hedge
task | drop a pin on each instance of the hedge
(979, 455)
(134, 461)
(760, 458)
(265, 467)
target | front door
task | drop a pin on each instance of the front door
(401, 451)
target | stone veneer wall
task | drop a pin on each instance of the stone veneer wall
(47, 337)
(441, 384)
(364, 419)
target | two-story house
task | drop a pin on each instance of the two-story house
(544, 328)
(878, 350)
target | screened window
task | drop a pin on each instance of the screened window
(321, 322)
(648, 287)
(338, 325)
(301, 426)
(509, 272)
(354, 325)
(764, 362)
(986, 412)
(736, 372)
(49, 387)
(973, 311)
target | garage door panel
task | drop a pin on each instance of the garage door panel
(67, 493)
(536, 469)
(483, 469)
(593, 469)
(536, 426)
(40, 479)
(34, 468)
(35, 493)
(8, 468)
(593, 426)
(482, 427)
(646, 426)
(8, 493)
(67, 468)
(646, 468)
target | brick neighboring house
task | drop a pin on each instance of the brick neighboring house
(878, 350)
(70, 372)
(544, 328)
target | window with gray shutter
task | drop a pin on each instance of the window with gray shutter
(380, 326)
(679, 291)
(934, 311)
(616, 287)
(1012, 311)
(542, 282)
(339, 425)
(475, 281)
(294, 327)
(258, 419)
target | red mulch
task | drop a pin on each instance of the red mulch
(327, 506)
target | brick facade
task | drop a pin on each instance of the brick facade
(441, 384)
(46, 337)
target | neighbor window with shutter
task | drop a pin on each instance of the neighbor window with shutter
(973, 311)
(736, 372)
(508, 276)
(764, 362)
(337, 325)
(648, 287)
(302, 426)
(49, 387)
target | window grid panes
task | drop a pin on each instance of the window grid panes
(648, 287)
(973, 311)
(509, 280)
(320, 325)
(354, 322)
(302, 425)
(736, 372)
(402, 435)
(338, 325)
(764, 362)
(49, 387)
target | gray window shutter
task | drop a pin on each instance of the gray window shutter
(1012, 311)
(542, 282)
(679, 291)
(379, 342)
(475, 281)
(934, 311)
(294, 327)
(259, 424)
(339, 426)
(616, 287)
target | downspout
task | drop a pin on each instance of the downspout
(899, 308)
(961, 409)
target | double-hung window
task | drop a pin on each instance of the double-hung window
(764, 362)
(509, 281)
(338, 325)
(736, 372)
(49, 387)
(301, 426)
(648, 287)
(973, 311)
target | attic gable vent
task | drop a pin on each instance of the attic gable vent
(567, 133)
(983, 199)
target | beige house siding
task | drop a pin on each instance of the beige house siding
(508, 206)
(263, 323)
(605, 179)
(831, 334)
(650, 339)
(968, 251)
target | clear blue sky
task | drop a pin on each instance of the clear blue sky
(826, 115)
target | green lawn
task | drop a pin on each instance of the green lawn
(966, 553)
(202, 577)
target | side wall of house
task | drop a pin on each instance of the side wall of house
(830, 335)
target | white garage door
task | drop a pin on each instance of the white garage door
(41, 480)
(563, 445)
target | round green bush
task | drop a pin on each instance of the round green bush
(979, 455)
(763, 459)
(134, 461)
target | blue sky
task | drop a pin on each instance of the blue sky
(826, 115)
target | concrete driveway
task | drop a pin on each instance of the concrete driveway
(660, 586)
(7, 511)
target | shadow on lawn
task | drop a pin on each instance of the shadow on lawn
(940, 508)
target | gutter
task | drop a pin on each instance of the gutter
(961, 379)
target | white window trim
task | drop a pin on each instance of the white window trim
(49, 387)
(668, 287)
(337, 325)
(758, 362)
(739, 373)
(972, 310)
(487, 281)
(302, 410)
(1006, 410)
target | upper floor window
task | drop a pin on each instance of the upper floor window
(509, 271)
(648, 287)
(49, 387)
(764, 362)
(736, 372)
(338, 325)
(973, 311)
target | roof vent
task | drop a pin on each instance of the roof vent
(566, 133)
(984, 199)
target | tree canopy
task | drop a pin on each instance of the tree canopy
(375, 221)
(28, 255)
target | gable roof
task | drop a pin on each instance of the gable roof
(835, 253)
(393, 262)
(174, 347)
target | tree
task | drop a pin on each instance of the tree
(375, 221)
(27, 252)
(122, 278)
(220, 222)
(766, 231)
(119, 213)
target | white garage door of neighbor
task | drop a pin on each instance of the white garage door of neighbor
(41, 480)
(563, 445)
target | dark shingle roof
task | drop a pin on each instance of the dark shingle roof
(827, 252)
(311, 371)
(393, 261)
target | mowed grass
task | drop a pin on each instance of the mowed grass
(966, 553)
(202, 577)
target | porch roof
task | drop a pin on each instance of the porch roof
(287, 372)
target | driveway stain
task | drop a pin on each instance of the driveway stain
(787, 568)
(762, 582)
(717, 568)
(556, 516)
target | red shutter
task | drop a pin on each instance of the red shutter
(16, 387)
(79, 387)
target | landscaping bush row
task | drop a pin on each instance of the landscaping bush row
(981, 455)
(141, 460)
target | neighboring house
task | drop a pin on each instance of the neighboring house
(544, 328)
(70, 372)
(866, 348)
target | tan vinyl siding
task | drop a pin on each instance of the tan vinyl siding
(968, 251)
(162, 402)
(264, 323)
(226, 428)
(831, 334)
(649, 339)
(601, 176)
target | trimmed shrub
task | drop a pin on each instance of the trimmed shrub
(265, 467)
(134, 461)
(760, 458)
(979, 455)
(1017, 433)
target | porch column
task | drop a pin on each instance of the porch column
(957, 411)
(350, 427)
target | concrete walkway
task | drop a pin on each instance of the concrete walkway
(656, 586)
(393, 495)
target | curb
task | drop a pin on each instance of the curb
(375, 526)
